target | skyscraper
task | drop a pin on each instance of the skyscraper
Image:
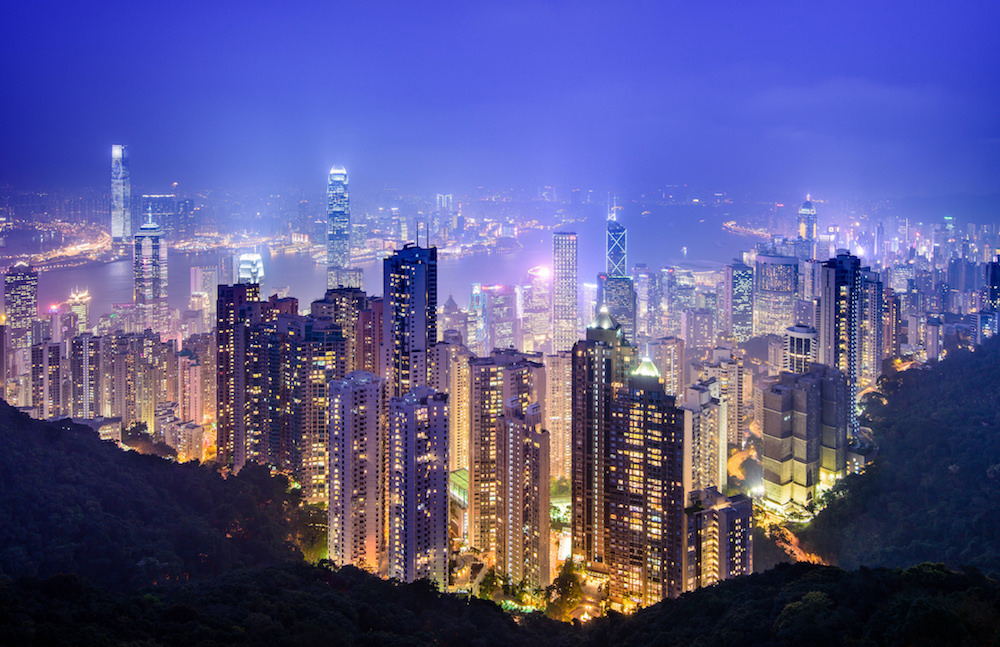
(801, 349)
(21, 303)
(617, 261)
(719, 538)
(559, 412)
(807, 221)
(564, 295)
(536, 310)
(416, 498)
(79, 305)
(150, 278)
(523, 539)
(645, 493)
(617, 294)
(775, 284)
(162, 209)
(410, 315)
(667, 354)
(804, 432)
(121, 196)
(601, 365)
(355, 468)
(850, 324)
(737, 302)
(338, 227)
(495, 381)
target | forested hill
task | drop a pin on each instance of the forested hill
(70, 503)
(294, 605)
(934, 492)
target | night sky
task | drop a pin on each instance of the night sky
(875, 98)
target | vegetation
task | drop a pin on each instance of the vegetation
(933, 492)
(298, 604)
(70, 503)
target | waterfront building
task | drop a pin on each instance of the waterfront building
(338, 226)
(79, 305)
(737, 302)
(121, 197)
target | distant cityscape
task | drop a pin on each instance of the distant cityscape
(634, 425)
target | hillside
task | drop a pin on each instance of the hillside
(70, 503)
(294, 605)
(934, 492)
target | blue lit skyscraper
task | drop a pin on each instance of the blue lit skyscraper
(121, 196)
(410, 318)
(617, 264)
(338, 226)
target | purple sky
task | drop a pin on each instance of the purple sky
(878, 98)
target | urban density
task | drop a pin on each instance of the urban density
(634, 425)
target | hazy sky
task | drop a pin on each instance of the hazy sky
(866, 97)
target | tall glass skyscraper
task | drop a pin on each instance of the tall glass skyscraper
(121, 196)
(21, 302)
(150, 278)
(617, 264)
(338, 226)
(564, 299)
(409, 325)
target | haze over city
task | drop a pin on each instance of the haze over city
(884, 100)
(500, 324)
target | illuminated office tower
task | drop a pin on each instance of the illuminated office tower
(801, 349)
(501, 317)
(564, 294)
(454, 318)
(705, 436)
(477, 339)
(338, 226)
(150, 278)
(804, 433)
(737, 302)
(47, 375)
(601, 365)
(719, 538)
(448, 371)
(850, 324)
(807, 229)
(559, 407)
(85, 354)
(21, 303)
(494, 381)
(121, 197)
(356, 409)
(590, 308)
(410, 315)
(617, 259)
(523, 495)
(79, 305)
(250, 269)
(162, 209)
(667, 354)
(536, 307)
(645, 493)
(416, 495)
(775, 284)
(617, 294)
